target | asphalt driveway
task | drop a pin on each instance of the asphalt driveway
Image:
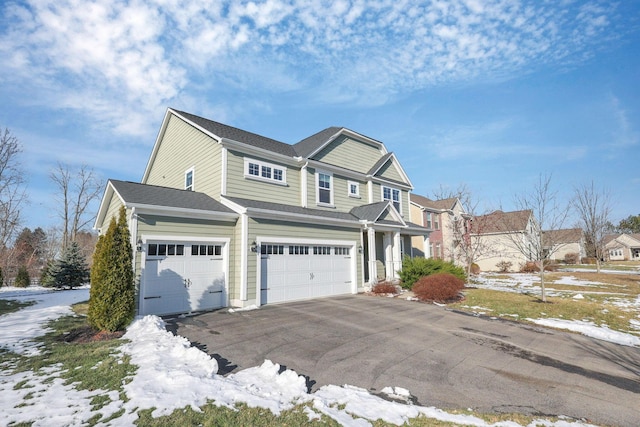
(444, 358)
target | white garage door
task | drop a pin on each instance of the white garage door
(292, 272)
(180, 277)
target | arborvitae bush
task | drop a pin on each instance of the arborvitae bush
(439, 287)
(384, 288)
(112, 294)
(415, 268)
(22, 278)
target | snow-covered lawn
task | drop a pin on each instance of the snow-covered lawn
(172, 375)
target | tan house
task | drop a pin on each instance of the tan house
(623, 247)
(512, 237)
(225, 217)
(564, 244)
(445, 218)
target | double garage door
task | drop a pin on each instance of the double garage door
(180, 277)
(291, 272)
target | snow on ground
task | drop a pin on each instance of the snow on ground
(591, 330)
(171, 374)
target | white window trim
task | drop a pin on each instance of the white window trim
(262, 164)
(193, 179)
(382, 187)
(357, 193)
(331, 189)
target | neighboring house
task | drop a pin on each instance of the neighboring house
(565, 242)
(225, 217)
(622, 247)
(445, 218)
(508, 236)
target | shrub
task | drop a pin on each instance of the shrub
(475, 268)
(571, 258)
(384, 288)
(415, 268)
(588, 260)
(69, 271)
(529, 267)
(439, 287)
(22, 278)
(504, 266)
(112, 294)
(1, 277)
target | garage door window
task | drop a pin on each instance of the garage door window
(206, 250)
(162, 249)
(272, 249)
(341, 251)
(322, 250)
(298, 250)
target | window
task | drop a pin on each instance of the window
(206, 250)
(429, 219)
(188, 180)
(298, 250)
(262, 171)
(393, 195)
(272, 249)
(325, 190)
(322, 250)
(354, 189)
(436, 221)
(164, 249)
(338, 250)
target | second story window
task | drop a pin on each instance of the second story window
(428, 216)
(353, 188)
(188, 180)
(262, 171)
(324, 183)
(436, 221)
(393, 195)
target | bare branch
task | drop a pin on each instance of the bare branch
(594, 210)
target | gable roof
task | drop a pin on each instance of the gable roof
(567, 235)
(305, 147)
(442, 204)
(238, 135)
(502, 222)
(145, 196)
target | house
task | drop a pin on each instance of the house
(564, 244)
(445, 218)
(509, 237)
(225, 217)
(622, 247)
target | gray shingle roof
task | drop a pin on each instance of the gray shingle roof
(152, 195)
(502, 222)
(279, 207)
(239, 135)
(308, 145)
(370, 212)
(384, 159)
(442, 204)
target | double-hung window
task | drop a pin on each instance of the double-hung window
(324, 184)
(393, 195)
(263, 171)
(353, 189)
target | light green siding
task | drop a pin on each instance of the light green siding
(246, 188)
(341, 199)
(350, 154)
(112, 212)
(389, 171)
(181, 148)
(404, 198)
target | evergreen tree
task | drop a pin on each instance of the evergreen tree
(22, 278)
(112, 295)
(46, 277)
(1, 277)
(72, 270)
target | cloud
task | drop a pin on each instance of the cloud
(117, 63)
(624, 134)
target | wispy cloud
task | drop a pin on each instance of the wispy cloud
(117, 62)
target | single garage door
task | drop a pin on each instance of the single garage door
(180, 277)
(291, 272)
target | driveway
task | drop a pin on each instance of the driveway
(444, 358)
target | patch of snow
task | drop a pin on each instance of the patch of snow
(247, 308)
(578, 296)
(590, 329)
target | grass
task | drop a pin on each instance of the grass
(10, 306)
(599, 292)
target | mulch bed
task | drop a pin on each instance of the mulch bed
(87, 334)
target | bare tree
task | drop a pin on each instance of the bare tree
(77, 189)
(547, 215)
(594, 208)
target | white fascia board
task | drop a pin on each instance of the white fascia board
(259, 152)
(327, 142)
(233, 206)
(396, 164)
(347, 173)
(200, 128)
(102, 210)
(156, 145)
(366, 139)
(183, 213)
(396, 184)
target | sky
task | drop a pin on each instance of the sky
(488, 94)
(172, 375)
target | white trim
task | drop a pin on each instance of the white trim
(382, 187)
(223, 171)
(370, 190)
(133, 227)
(357, 193)
(244, 262)
(348, 132)
(303, 185)
(331, 188)
(183, 212)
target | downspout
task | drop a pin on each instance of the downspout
(303, 185)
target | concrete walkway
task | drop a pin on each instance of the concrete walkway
(445, 359)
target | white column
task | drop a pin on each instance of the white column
(388, 254)
(397, 255)
(427, 247)
(371, 253)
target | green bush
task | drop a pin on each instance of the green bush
(439, 287)
(22, 278)
(415, 268)
(112, 294)
(70, 271)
